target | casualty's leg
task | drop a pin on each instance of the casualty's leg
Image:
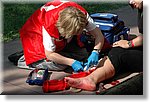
(89, 82)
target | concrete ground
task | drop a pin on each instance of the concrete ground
(14, 78)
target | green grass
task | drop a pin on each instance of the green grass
(15, 15)
(102, 7)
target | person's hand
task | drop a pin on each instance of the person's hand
(77, 66)
(121, 43)
(93, 59)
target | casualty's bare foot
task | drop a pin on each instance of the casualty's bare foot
(81, 83)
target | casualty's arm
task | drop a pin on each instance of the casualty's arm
(138, 41)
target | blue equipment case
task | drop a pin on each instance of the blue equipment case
(111, 26)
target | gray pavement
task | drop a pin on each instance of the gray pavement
(14, 78)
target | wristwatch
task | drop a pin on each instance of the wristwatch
(129, 43)
(98, 50)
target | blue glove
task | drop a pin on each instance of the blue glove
(93, 59)
(77, 66)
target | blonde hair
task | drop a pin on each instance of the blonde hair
(71, 21)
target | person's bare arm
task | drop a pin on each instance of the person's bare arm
(99, 38)
(138, 41)
(58, 58)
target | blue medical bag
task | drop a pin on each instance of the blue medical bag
(111, 26)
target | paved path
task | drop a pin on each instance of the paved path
(14, 78)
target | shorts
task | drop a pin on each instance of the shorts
(126, 59)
